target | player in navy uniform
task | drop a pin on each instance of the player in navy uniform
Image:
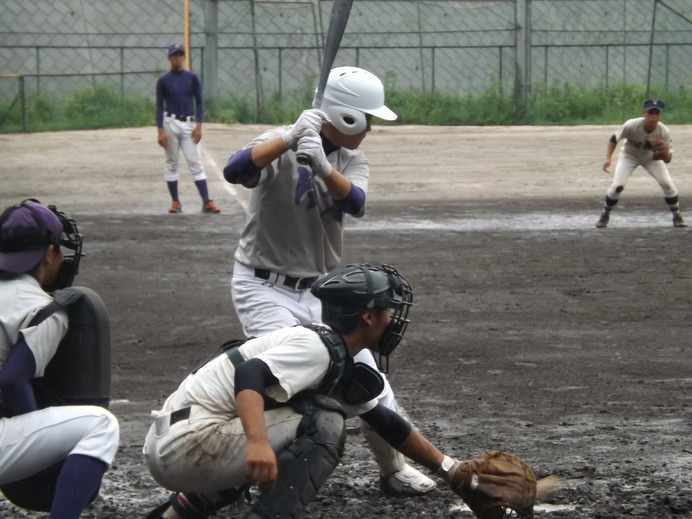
(179, 116)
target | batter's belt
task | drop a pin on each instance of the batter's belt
(288, 281)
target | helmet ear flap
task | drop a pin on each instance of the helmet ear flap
(347, 120)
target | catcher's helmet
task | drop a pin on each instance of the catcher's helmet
(27, 229)
(347, 293)
(350, 93)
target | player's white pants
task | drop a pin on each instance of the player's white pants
(263, 307)
(35, 441)
(179, 137)
(206, 453)
(626, 166)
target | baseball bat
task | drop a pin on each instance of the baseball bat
(341, 9)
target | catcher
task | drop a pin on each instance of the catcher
(271, 412)
(648, 144)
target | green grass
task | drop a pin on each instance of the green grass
(555, 104)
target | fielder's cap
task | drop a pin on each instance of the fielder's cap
(176, 47)
(654, 104)
(26, 230)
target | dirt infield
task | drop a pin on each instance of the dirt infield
(533, 331)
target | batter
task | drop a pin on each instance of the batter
(294, 230)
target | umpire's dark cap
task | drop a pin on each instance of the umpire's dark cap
(176, 47)
(654, 104)
(23, 239)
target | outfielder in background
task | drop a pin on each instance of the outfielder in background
(648, 144)
(51, 458)
(294, 231)
(179, 116)
(272, 412)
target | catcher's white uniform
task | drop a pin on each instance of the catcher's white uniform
(204, 451)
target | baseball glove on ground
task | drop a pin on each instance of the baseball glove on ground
(659, 147)
(495, 484)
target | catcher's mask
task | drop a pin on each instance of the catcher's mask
(347, 293)
(350, 94)
(27, 229)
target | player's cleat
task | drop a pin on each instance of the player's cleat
(678, 221)
(209, 207)
(176, 207)
(603, 221)
(407, 482)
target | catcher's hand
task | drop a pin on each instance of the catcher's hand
(495, 483)
(660, 149)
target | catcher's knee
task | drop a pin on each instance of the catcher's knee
(306, 464)
(323, 424)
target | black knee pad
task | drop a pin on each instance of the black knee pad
(306, 464)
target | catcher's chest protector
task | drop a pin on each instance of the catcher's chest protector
(80, 371)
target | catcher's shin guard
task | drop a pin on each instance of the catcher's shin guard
(305, 464)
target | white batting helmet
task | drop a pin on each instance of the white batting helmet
(352, 92)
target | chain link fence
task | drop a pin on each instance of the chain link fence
(52, 51)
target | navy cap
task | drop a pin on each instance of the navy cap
(26, 231)
(176, 47)
(654, 104)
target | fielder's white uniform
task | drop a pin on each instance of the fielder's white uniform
(205, 451)
(633, 153)
(34, 441)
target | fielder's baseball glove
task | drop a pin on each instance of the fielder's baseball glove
(659, 147)
(496, 485)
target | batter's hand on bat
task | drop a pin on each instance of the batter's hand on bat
(310, 149)
(606, 165)
(260, 465)
(309, 120)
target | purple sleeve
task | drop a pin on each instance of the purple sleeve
(15, 379)
(353, 203)
(241, 170)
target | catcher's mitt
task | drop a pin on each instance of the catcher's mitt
(659, 147)
(496, 485)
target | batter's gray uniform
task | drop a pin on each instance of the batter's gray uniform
(294, 234)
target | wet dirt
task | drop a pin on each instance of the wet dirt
(532, 330)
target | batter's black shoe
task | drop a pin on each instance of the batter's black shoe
(603, 221)
(678, 221)
(157, 513)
